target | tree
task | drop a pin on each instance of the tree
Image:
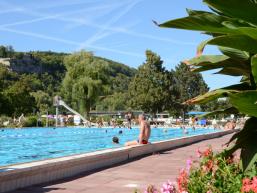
(120, 82)
(6, 51)
(43, 101)
(232, 25)
(190, 85)
(19, 98)
(86, 79)
(153, 87)
(7, 78)
(115, 102)
(16, 91)
(3, 52)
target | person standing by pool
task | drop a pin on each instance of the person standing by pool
(145, 132)
(129, 117)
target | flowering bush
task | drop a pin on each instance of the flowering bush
(215, 173)
(212, 173)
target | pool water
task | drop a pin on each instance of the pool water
(31, 144)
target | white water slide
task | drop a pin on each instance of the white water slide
(62, 103)
(59, 102)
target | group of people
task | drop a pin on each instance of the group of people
(114, 123)
(145, 129)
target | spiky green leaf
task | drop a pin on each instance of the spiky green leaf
(240, 42)
(245, 102)
(254, 67)
(234, 71)
(245, 10)
(206, 21)
(249, 31)
(234, 53)
(231, 110)
(210, 96)
(228, 66)
(206, 59)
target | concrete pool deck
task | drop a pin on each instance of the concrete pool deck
(154, 169)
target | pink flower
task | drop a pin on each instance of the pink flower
(168, 187)
(189, 164)
(198, 153)
(254, 180)
(209, 191)
(254, 184)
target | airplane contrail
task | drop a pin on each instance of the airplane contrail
(93, 24)
(41, 36)
(114, 19)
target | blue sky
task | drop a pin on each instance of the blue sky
(120, 30)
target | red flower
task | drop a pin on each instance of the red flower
(247, 185)
(209, 165)
(182, 180)
(246, 181)
(207, 152)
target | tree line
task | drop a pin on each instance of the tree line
(87, 82)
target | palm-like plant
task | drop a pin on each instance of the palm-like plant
(232, 26)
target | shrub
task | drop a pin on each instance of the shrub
(30, 121)
(4, 119)
(51, 122)
(215, 173)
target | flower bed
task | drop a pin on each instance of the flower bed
(211, 173)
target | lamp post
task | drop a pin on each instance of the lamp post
(46, 118)
(56, 104)
(56, 116)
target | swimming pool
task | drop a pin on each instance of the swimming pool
(32, 144)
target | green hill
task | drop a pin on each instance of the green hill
(36, 77)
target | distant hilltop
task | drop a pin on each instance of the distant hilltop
(48, 62)
(26, 64)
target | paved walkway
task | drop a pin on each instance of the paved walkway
(154, 169)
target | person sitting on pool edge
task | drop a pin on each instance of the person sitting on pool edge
(145, 132)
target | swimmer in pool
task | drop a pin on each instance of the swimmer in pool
(115, 140)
